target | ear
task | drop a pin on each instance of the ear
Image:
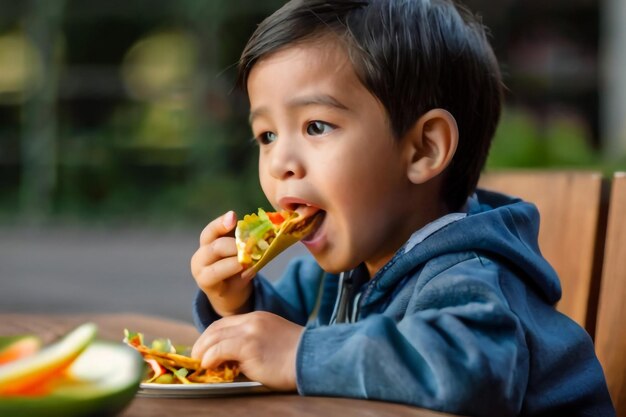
(430, 145)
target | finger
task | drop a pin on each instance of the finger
(218, 271)
(248, 274)
(218, 227)
(198, 349)
(201, 344)
(208, 254)
(212, 335)
(227, 348)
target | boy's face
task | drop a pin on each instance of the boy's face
(326, 144)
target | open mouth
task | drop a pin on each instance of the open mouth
(306, 223)
(311, 225)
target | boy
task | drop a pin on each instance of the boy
(379, 114)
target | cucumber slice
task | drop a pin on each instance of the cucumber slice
(102, 381)
(23, 374)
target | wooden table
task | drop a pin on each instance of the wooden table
(111, 327)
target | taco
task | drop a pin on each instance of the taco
(261, 237)
(169, 364)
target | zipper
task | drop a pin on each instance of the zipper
(339, 310)
(347, 304)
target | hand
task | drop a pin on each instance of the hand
(216, 270)
(264, 344)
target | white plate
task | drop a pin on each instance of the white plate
(200, 390)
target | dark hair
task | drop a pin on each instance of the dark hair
(414, 56)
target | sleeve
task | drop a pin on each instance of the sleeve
(458, 348)
(292, 297)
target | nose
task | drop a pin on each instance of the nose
(285, 160)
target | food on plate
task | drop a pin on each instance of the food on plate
(73, 377)
(261, 237)
(169, 364)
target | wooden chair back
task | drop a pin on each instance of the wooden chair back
(569, 203)
(611, 327)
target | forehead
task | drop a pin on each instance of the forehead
(315, 64)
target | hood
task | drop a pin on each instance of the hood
(496, 224)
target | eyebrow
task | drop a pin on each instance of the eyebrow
(304, 101)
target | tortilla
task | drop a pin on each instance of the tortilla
(168, 366)
(261, 237)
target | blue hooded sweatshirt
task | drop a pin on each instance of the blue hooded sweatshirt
(463, 322)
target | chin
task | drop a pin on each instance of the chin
(333, 266)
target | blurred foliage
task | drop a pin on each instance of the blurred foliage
(557, 141)
(124, 112)
(117, 112)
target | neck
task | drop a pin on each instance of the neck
(420, 210)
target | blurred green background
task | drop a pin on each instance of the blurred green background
(123, 112)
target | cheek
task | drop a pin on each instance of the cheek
(369, 180)
(367, 193)
(267, 185)
(354, 199)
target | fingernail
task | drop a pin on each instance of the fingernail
(229, 219)
(248, 274)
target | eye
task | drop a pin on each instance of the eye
(266, 138)
(317, 128)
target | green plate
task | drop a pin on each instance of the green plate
(106, 377)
